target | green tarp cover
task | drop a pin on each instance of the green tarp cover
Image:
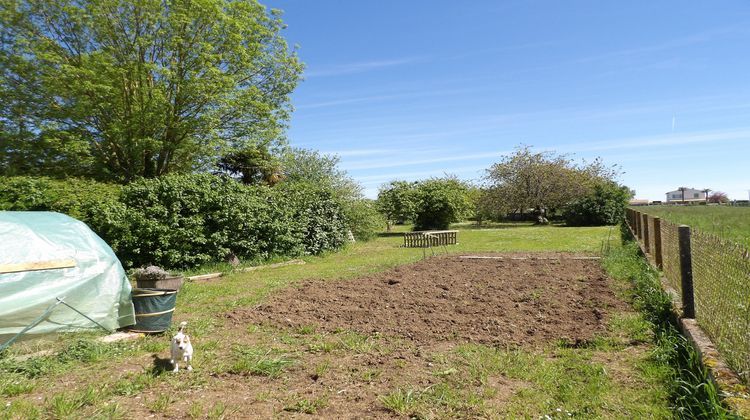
(97, 286)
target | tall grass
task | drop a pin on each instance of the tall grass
(692, 394)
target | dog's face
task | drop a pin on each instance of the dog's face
(181, 341)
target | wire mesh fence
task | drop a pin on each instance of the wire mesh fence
(720, 278)
(670, 251)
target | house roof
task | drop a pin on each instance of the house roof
(677, 191)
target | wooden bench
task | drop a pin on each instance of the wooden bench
(430, 238)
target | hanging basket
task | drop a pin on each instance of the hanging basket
(153, 309)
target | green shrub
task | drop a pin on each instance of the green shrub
(188, 220)
(318, 215)
(364, 219)
(75, 197)
(182, 221)
(440, 202)
(397, 201)
(605, 205)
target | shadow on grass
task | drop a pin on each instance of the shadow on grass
(496, 225)
(482, 226)
(161, 365)
(390, 234)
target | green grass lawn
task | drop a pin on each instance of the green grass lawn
(249, 370)
(732, 223)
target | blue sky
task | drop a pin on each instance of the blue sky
(413, 89)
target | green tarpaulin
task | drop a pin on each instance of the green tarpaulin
(96, 286)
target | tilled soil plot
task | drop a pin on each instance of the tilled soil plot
(515, 299)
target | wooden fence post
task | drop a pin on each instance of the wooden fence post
(658, 258)
(630, 218)
(637, 225)
(686, 268)
(646, 241)
(640, 225)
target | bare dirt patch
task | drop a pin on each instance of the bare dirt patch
(351, 344)
(519, 299)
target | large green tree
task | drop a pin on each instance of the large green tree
(121, 89)
(541, 181)
(311, 166)
(252, 165)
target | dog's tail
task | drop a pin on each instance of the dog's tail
(183, 324)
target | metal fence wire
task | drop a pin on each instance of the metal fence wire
(721, 283)
(670, 251)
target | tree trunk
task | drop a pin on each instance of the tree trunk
(541, 216)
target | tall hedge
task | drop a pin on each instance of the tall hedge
(75, 197)
(182, 221)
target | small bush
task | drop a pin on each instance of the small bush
(397, 201)
(440, 202)
(605, 205)
(363, 218)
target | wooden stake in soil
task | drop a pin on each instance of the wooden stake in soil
(646, 239)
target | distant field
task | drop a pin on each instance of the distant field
(732, 223)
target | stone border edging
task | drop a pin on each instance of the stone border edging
(211, 276)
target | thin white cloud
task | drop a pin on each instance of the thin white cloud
(347, 101)
(359, 152)
(391, 163)
(676, 139)
(501, 49)
(362, 66)
(380, 98)
(397, 130)
(379, 179)
(697, 38)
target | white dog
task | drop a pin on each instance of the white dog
(182, 350)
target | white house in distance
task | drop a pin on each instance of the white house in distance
(691, 195)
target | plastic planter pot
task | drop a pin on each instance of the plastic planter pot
(153, 309)
(171, 283)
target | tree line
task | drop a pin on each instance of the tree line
(522, 185)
